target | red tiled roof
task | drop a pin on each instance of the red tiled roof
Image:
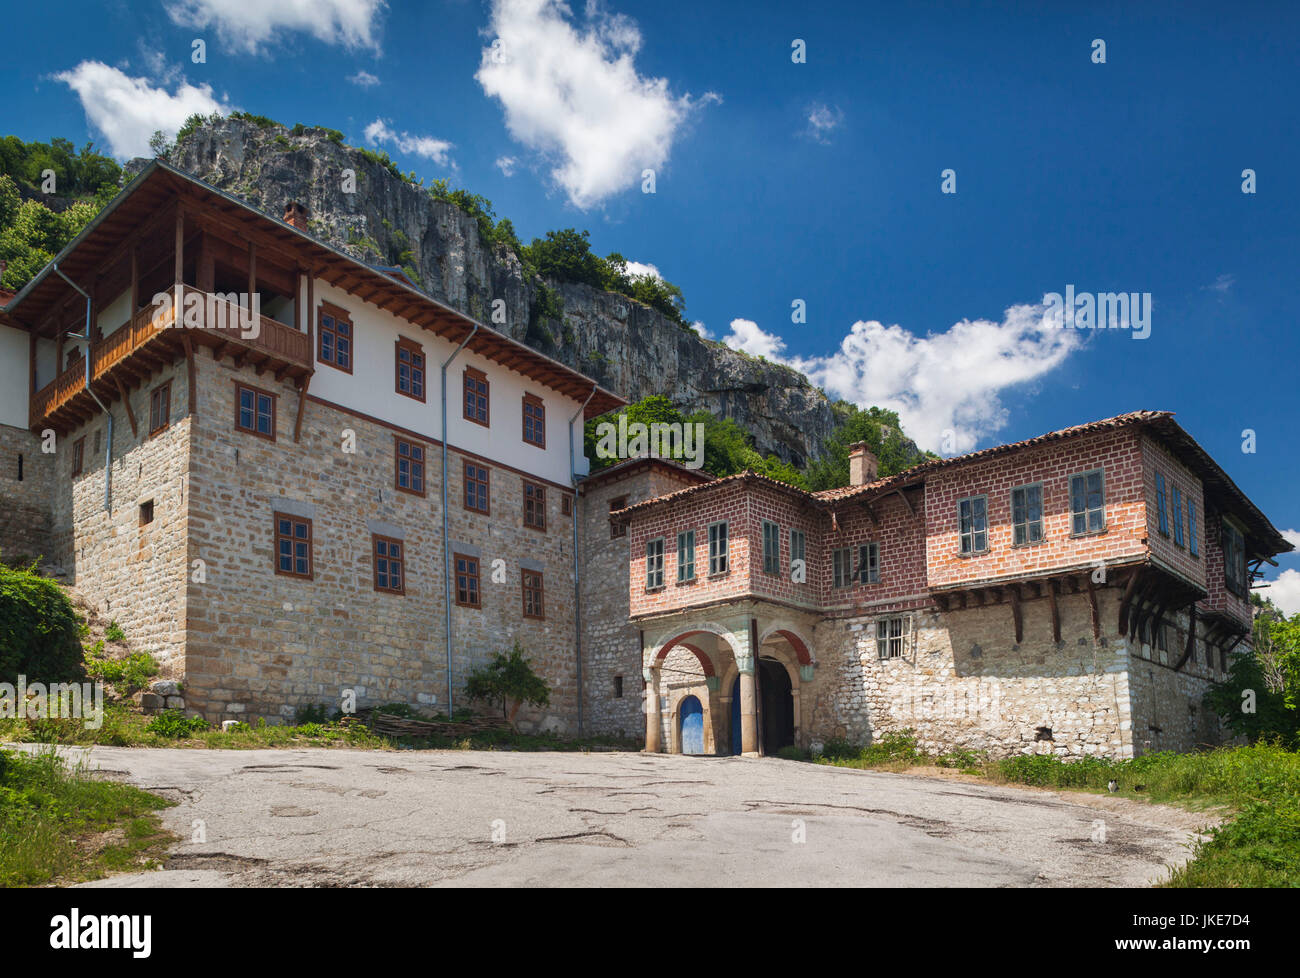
(1162, 422)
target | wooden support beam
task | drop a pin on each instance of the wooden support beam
(126, 401)
(1056, 612)
(178, 269)
(1092, 607)
(1191, 639)
(252, 279)
(302, 400)
(1016, 615)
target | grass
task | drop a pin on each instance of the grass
(123, 727)
(58, 824)
(1259, 846)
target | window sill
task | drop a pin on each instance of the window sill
(1090, 533)
(1029, 543)
(656, 590)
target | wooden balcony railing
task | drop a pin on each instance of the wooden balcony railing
(222, 326)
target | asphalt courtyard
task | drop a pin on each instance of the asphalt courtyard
(502, 818)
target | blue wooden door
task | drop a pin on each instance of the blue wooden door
(692, 714)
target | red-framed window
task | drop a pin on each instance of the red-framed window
(390, 564)
(409, 466)
(534, 421)
(467, 590)
(334, 337)
(476, 397)
(410, 369)
(293, 546)
(478, 494)
(534, 506)
(534, 594)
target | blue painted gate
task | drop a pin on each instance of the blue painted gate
(692, 714)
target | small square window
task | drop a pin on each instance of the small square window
(255, 411)
(146, 512)
(390, 564)
(160, 408)
(617, 529)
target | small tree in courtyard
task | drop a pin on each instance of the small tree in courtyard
(508, 679)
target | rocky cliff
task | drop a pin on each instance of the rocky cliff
(629, 347)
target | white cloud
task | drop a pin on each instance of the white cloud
(702, 329)
(636, 269)
(1222, 285)
(437, 150)
(128, 110)
(507, 164)
(573, 94)
(364, 79)
(938, 383)
(1285, 590)
(822, 121)
(1292, 537)
(747, 336)
(246, 25)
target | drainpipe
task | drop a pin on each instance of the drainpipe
(446, 547)
(577, 574)
(108, 440)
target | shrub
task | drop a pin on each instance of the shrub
(311, 713)
(40, 635)
(114, 633)
(508, 677)
(175, 724)
(128, 674)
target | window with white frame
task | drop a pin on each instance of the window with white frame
(893, 637)
(718, 548)
(1087, 503)
(654, 563)
(868, 571)
(685, 556)
(972, 516)
(798, 550)
(1027, 514)
(771, 548)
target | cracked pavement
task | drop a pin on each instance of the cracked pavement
(501, 818)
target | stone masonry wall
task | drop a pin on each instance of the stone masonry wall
(133, 572)
(264, 644)
(26, 520)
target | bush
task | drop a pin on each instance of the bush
(311, 713)
(508, 677)
(128, 674)
(114, 633)
(40, 633)
(175, 724)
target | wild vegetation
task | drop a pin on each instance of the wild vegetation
(59, 824)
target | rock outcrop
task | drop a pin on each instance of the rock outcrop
(629, 347)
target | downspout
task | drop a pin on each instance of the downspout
(577, 574)
(446, 546)
(108, 446)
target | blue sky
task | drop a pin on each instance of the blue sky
(819, 181)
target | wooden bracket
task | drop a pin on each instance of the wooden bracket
(302, 401)
(1092, 606)
(1016, 615)
(1191, 639)
(1056, 611)
(126, 401)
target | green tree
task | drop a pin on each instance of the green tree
(1260, 698)
(882, 432)
(508, 679)
(566, 256)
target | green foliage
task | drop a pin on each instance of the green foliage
(55, 823)
(127, 674)
(1260, 697)
(31, 234)
(889, 749)
(84, 174)
(509, 677)
(880, 429)
(40, 634)
(175, 724)
(198, 120)
(495, 234)
(261, 121)
(114, 633)
(312, 713)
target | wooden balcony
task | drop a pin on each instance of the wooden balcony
(132, 354)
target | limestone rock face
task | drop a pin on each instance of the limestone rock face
(630, 348)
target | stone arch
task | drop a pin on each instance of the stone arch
(797, 642)
(664, 646)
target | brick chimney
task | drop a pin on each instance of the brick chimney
(862, 464)
(295, 214)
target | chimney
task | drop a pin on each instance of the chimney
(862, 464)
(295, 214)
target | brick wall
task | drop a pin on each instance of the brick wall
(1117, 453)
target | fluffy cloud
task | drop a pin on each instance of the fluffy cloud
(507, 164)
(246, 25)
(636, 269)
(364, 79)
(437, 150)
(1285, 589)
(822, 121)
(944, 386)
(573, 94)
(127, 111)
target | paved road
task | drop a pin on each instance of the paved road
(459, 818)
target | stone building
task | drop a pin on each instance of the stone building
(1076, 593)
(253, 472)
